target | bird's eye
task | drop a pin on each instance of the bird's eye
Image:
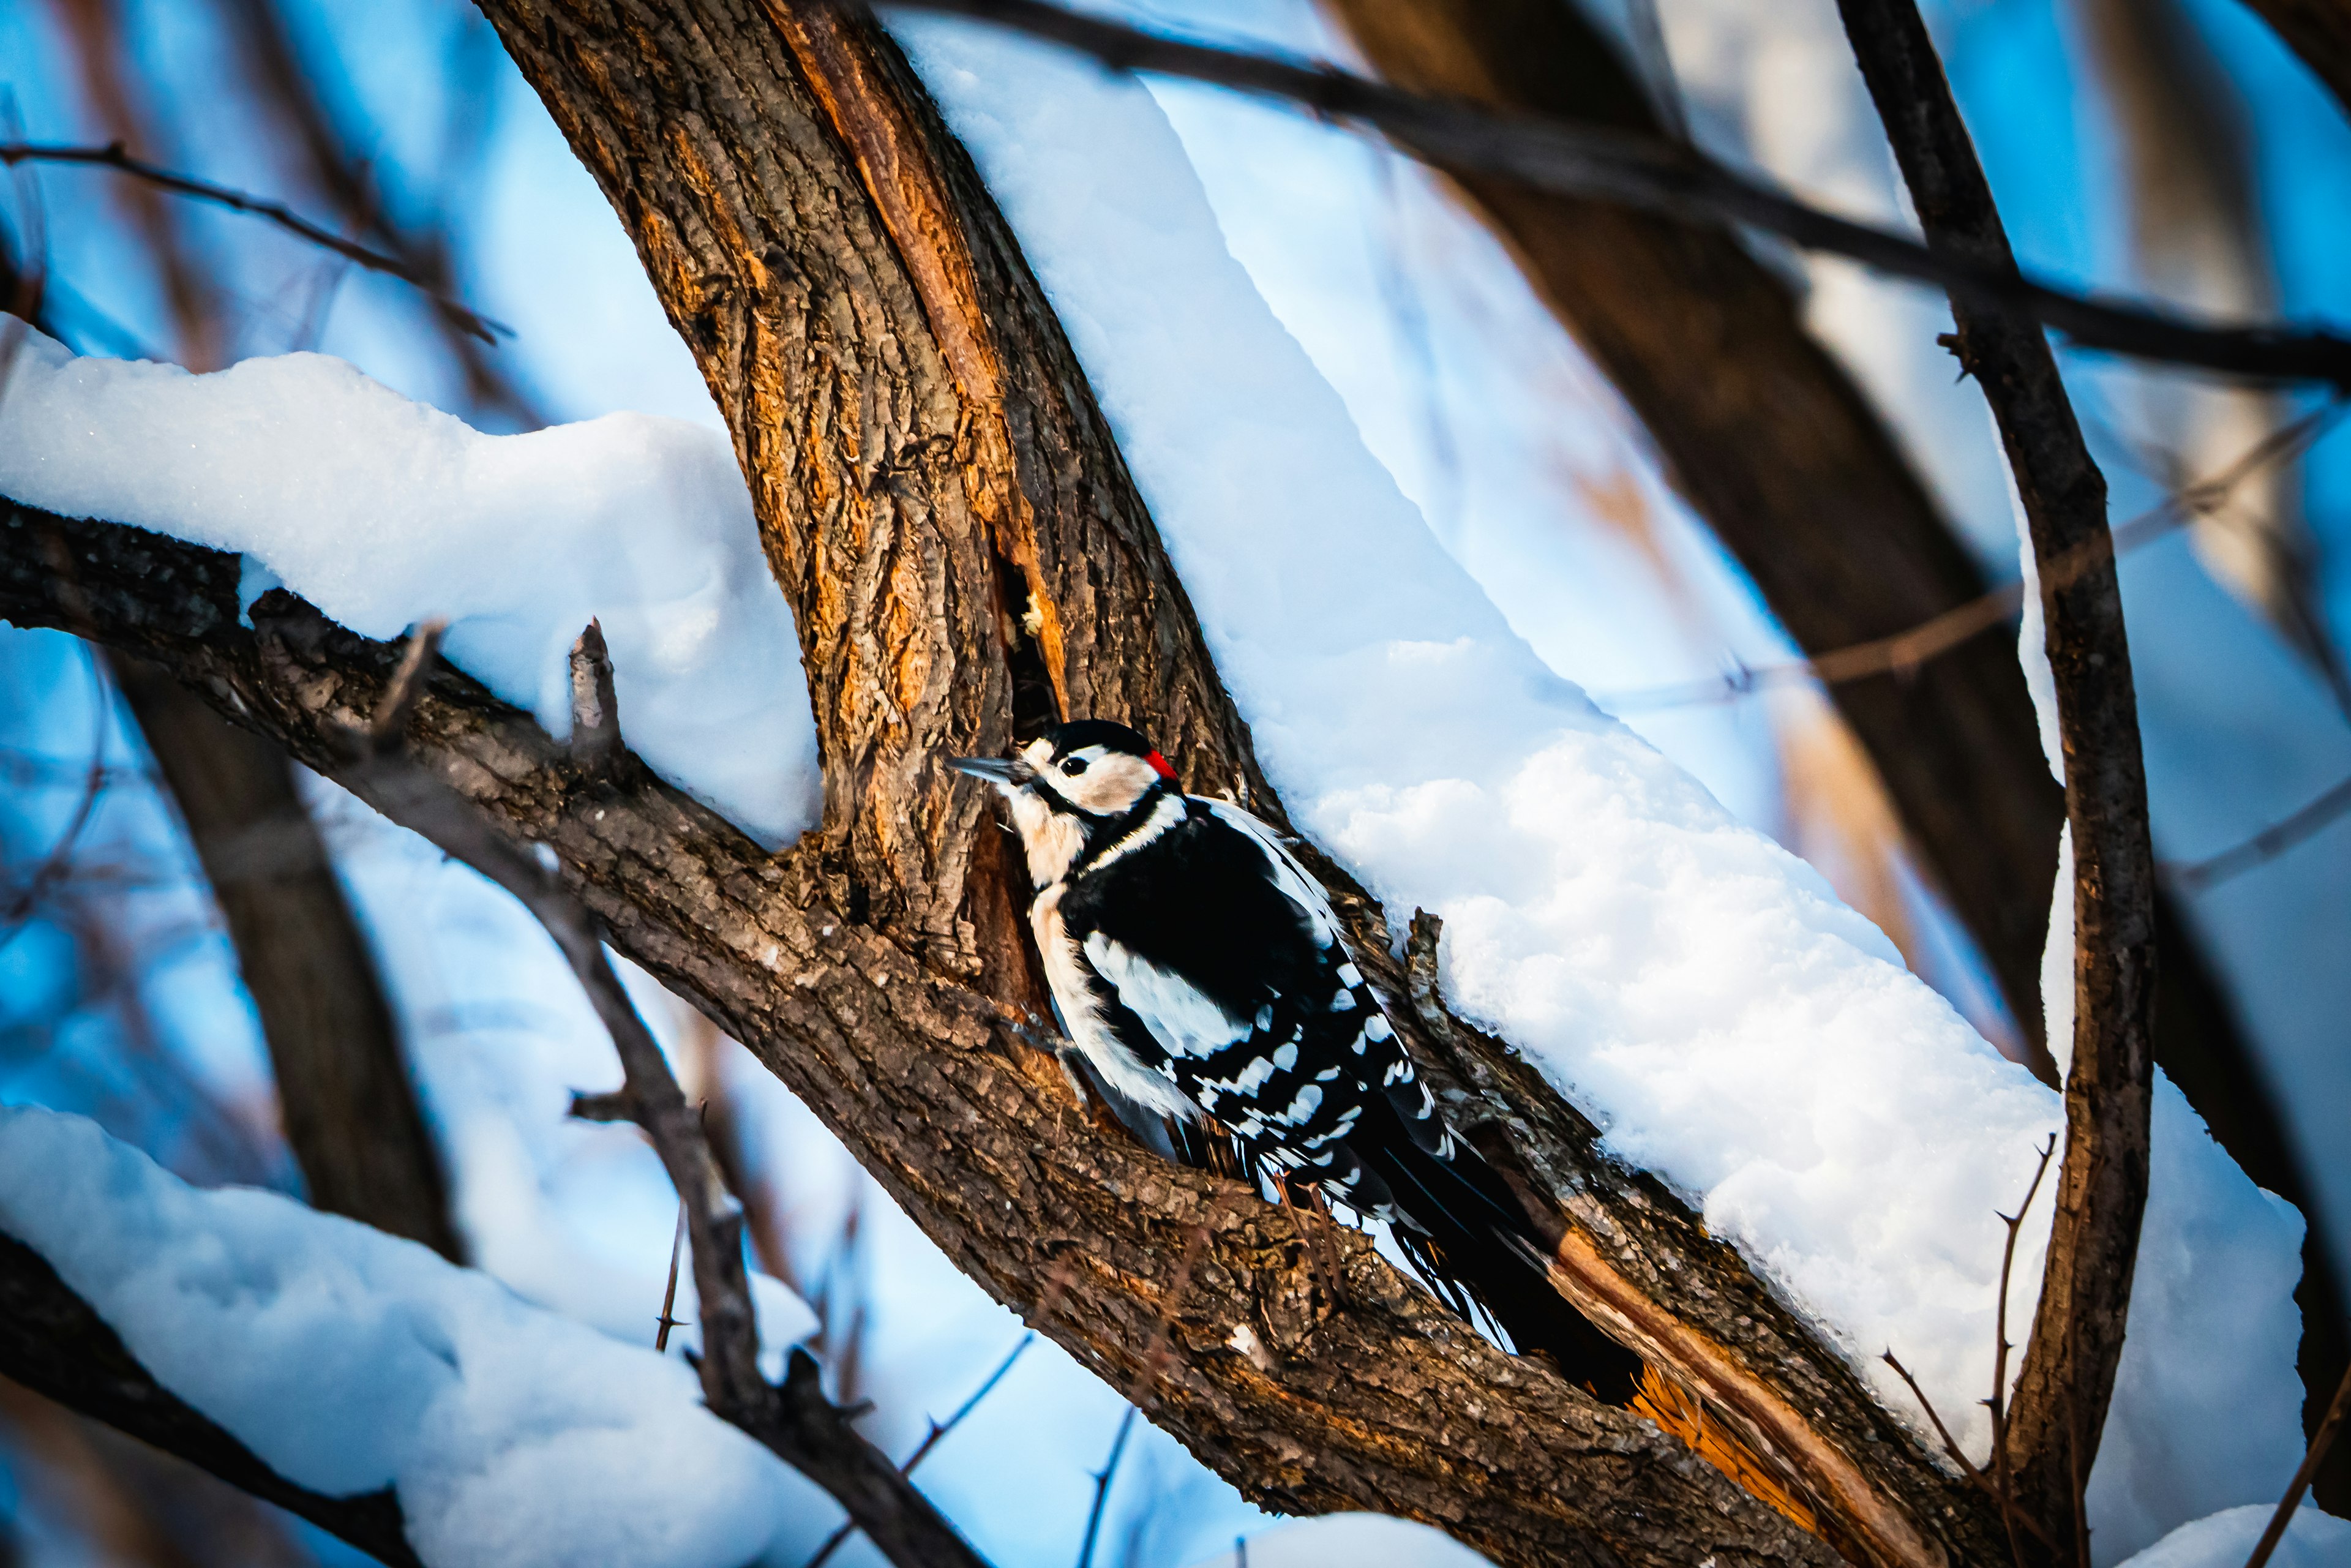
(1073, 766)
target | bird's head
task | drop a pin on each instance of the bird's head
(1088, 766)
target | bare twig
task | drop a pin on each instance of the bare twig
(1998, 1403)
(1102, 1478)
(939, 1429)
(113, 156)
(1147, 1374)
(1671, 178)
(54, 864)
(1982, 1480)
(1904, 653)
(2266, 846)
(2330, 1427)
(794, 1419)
(667, 1321)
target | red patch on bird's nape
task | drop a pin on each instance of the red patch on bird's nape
(1159, 766)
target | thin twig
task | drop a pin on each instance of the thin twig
(1657, 176)
(1959, 1456)
(2001, 1347)
(113, 156)
(669, 1291)
(2266, 846)
(55, 864)
(1904, 653)
(1102, 1485)
(939, 1429)
(2330, 1426)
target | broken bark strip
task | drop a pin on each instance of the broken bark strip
(54, 1345)
(2077, 1332)
(1388, 1405)
(1767, 436)
(350, 1110)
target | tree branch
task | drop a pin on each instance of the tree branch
(113, 156)
(2052, 1434)
(794, 1419)
(1670, 178)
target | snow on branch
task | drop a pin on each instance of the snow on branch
(1674, 180)
(53, 1342)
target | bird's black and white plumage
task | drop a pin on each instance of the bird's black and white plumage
(1201, 972)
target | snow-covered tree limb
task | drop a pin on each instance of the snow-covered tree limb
(1782, 454)
(53, 1342)
(2051, 1434)
(1387, 1404)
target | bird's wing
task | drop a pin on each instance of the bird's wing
(1229, 954)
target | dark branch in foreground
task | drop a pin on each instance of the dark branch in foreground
(1666, 177)
(2048, 1440)
(52, 1343)
(794, 1419)
(113, 156)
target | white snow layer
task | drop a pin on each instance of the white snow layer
(386, 513)
(2226, 1540)
(350, 1360)
(1694, 986)
(1698, 988)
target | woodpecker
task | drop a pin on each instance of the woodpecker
(1200, 972)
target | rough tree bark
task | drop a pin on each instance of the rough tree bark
(1775, 448)
(350, 1110)
(2077, 1332)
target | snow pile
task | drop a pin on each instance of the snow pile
(383, 513)
(1368, 1539)
(1698, 988)
(350, 1360)
(2226, 1540)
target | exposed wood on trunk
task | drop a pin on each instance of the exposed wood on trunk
(2077, 1333)
(52, 1343)
(351, 1111)
(1777, 450)
(2320, 32)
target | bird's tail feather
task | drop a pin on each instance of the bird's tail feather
(1475, 1243)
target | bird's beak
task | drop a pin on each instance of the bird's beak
(1010, 772)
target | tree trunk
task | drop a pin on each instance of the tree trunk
(351, 1111)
